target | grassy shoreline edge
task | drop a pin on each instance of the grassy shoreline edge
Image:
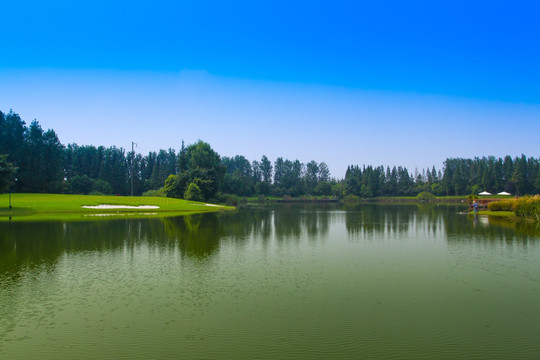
(58, 206)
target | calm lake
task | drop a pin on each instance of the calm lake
(298, 282)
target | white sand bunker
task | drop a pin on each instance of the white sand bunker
(120, 207)
(121, 214)
(205, 204)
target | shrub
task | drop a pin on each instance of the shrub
(171, 186)
(102, 187)
(81, 184)
(323, 188)
(86, 185)
(425, 196)
(229, 199)
(278, 192)
(193, 193)
(437, 189)
(526, 208)
(351, 198)
(502, 205)
(338, 190)
(155, 193)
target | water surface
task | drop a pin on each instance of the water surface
(313, 282)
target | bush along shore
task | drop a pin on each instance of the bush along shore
(526, 208)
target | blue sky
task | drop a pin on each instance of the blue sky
(345, 82)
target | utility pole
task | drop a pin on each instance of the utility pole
(132, 161)
(10, 191)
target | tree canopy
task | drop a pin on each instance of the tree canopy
(198, 164)
(34, 160)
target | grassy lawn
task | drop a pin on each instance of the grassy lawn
(65, 206)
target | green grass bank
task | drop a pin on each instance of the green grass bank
(62, 206)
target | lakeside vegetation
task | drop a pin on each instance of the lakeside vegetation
(35, 161)
(526, 208)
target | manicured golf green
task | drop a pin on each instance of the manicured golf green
(61, 205)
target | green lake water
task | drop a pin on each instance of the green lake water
(295, 282)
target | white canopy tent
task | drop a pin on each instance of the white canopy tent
(484, 193)
(503, 193)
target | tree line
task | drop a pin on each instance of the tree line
(34, 160)
(519, 175)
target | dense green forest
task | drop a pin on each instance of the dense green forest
(34, 160)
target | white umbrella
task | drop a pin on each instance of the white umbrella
(503, 193)
(484, 193)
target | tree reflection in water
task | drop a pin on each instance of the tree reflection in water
(24, 246)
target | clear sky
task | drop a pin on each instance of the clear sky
(344, 82)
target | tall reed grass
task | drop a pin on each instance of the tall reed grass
(528, 208)
(525, 208)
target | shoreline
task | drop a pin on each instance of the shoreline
(41, 206)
